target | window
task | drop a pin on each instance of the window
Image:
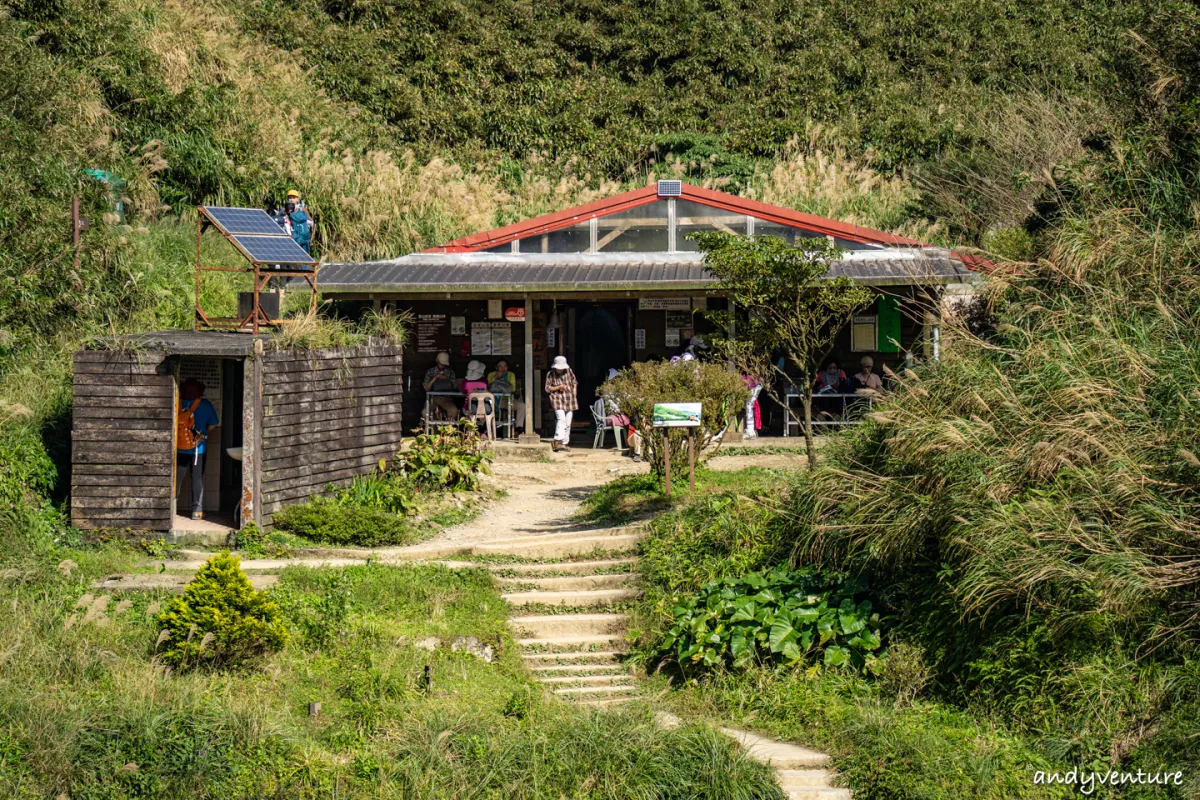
(863, 334)
(575, 239)
(694, 217)
(636, 230)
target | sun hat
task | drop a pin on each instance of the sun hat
(475, 370)
(443, 358)
(560, 362)
(612, 373)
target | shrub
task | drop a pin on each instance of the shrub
(780, 617)
(327, 522)
(220, 621)
(720, 392)
(383, 490)
(452, 457)
(905, 675)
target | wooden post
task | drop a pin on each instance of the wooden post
(529, 436)
(75, 228)
(667, 460)
(692, 459)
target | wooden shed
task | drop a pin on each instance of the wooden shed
(291, 422)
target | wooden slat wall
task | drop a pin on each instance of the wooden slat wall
(327, 417)
(122, 441)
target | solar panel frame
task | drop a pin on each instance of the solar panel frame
(273, 250)
(253, 221)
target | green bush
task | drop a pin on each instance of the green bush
(721, 393)
(781, 617)
(452, 457)
(220, 620)
(327, 522)
(385, 491)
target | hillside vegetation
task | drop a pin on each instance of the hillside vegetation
(1024, 511)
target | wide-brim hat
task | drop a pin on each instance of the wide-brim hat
(560, 362)
(612, 373)
(475, 370)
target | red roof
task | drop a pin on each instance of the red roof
(649, 194)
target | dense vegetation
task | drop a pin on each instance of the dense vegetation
(1024, 511)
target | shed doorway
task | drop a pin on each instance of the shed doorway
(223, 380)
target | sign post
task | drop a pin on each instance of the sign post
(678, 415)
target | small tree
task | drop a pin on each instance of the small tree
(790, 305)
(720, 392)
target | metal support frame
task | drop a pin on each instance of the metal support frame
(257, 318)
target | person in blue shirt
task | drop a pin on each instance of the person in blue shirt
(194, 419)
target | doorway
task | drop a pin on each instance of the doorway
(601, 343)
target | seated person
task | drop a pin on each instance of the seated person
(865, 378)
(502, 381)
(472, 383)
(440, 378)
(832, 378)
(615, 418)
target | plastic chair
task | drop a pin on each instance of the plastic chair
(485, 401)
(602, 425)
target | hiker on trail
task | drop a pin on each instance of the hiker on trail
(195, 418)
(440, 378)
(865, 378)
(562, 388)
(298, 218)
(501, 381)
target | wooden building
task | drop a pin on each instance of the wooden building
(291, 421)
(618, 280)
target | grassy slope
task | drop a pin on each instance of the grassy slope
(79, 704)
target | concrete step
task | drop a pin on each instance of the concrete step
(569, 646)
(818, 794)
(567, 626)
(599, 658)
(602, 690)
(556, 546)
(572, 583)
(603, 702)
(586, 680)
(579, 669)
(805, 778)
(565, 567)
(165, 581)
(780, 755)
(595, 597)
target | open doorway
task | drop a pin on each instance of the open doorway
(601, 343)
(218, 466)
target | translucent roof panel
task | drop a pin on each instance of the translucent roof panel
(693, 217)
(764, 228)
(636, 230)
(575, 239)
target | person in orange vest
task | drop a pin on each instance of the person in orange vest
(194, 419)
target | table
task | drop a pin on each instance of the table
(504, 411)
(847, 407)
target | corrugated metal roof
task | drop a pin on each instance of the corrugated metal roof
(589, 272)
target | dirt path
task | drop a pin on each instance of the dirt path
(542, 498)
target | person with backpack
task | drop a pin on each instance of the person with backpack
(299, 220)
(194, 419)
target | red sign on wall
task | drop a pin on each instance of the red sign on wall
(515, 313)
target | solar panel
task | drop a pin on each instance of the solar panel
(274, 250)
(244, 220)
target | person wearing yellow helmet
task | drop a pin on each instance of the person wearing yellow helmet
(300, 224)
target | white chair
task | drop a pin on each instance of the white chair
(601, 418)
(485, 401)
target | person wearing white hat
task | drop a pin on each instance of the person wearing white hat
(562, 387)
(440, 378)
(865, 378)
(474, 382)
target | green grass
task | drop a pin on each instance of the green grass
(636, 497)
(85, 711)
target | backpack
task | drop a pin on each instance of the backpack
(500, 386)
(186, 437)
